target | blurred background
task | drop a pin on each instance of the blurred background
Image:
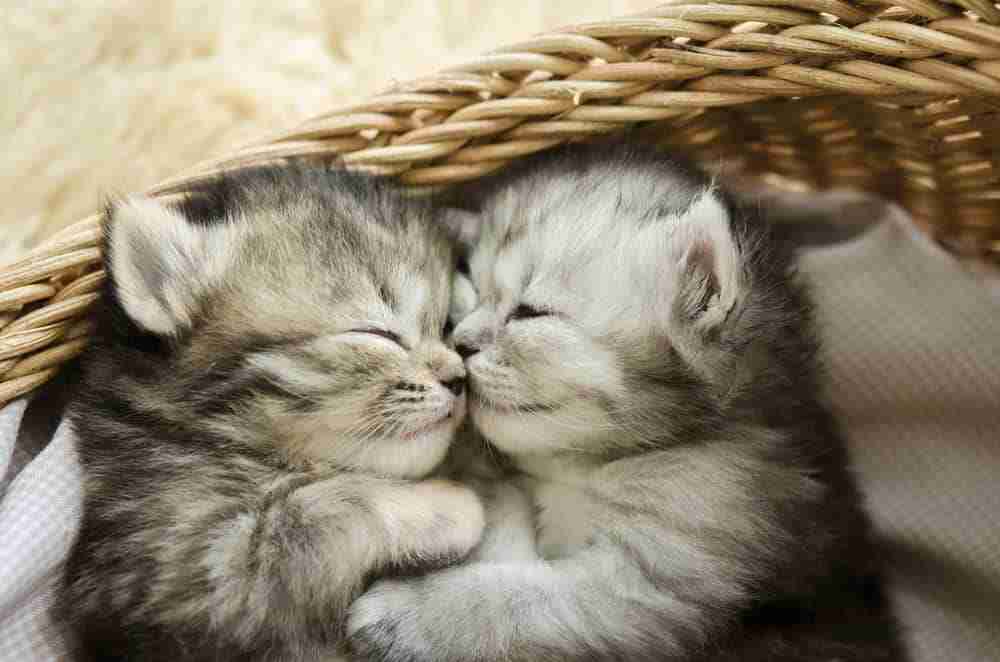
(105, 97)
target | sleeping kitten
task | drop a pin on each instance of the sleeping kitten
(268, 380)
(643, 354)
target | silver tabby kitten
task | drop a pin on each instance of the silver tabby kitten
(268, 379)
(643, 354)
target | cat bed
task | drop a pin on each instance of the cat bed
(892, 96)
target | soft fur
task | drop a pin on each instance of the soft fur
(268, 379)
(643, 353)
(115, 96)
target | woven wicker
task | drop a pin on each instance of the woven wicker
(897, 96)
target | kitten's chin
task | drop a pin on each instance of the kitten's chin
(412, 454)
(520, 430)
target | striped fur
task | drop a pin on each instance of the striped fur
(643, 352)
(268, 385)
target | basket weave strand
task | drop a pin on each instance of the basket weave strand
(901, 97)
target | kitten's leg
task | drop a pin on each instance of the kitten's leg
(510, 523)
(288, 571)
(401, 523)
(434, 520)
(681, 541)
(510, 519)
(575, 609)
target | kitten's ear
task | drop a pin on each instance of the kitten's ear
(706, 254)
(463, 226)
(160, 263)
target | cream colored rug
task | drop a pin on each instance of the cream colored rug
(105, 97)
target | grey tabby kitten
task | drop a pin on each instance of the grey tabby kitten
(268, 380)
(644, 355)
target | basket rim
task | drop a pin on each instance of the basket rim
(680, 66)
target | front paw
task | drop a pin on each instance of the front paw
(462, 513)
(382, 625)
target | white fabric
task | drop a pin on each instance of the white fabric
(913, 347)
(39, 517)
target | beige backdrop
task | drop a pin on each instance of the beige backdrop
(109, 97)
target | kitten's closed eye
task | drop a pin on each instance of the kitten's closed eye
(383, 333)
(525, 312)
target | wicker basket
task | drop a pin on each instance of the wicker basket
(896, 96)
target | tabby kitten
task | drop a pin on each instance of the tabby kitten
(268, 381)
(643, 354)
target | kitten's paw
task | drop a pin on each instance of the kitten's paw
(383, 625)
(462, 511)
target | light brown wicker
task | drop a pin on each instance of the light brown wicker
(896, 96)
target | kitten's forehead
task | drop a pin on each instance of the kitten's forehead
(375, 233)
(317, 247)
(592, 236)
(559, 192)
